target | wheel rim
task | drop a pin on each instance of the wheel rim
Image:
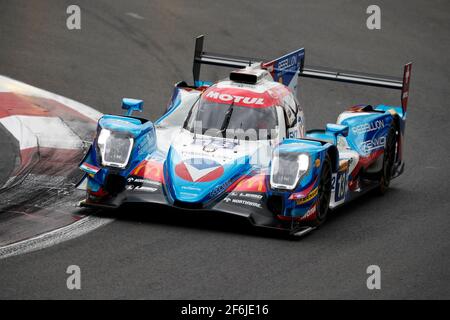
(324, 191)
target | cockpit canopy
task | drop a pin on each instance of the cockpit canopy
(231, 120)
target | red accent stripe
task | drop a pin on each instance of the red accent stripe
(304, 192)
(364, 162)
(182, 172)
(256, 183)
(213, 175)
(151, 170)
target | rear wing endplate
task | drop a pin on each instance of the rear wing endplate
(222, 60)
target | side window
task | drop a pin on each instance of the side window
(300, 118)
(290, 109)
(281, 123)
(298, 107)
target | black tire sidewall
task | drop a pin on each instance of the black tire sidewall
(321, 218)
(384, 171)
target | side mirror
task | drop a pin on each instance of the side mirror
(132, 105)
(337, 129)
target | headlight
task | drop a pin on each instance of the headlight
(115, 148)
(287, 169)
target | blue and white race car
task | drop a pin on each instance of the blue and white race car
(239, 146)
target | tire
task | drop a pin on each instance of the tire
(324, 193)
(388, 162)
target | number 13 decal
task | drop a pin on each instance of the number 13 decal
(341, 182)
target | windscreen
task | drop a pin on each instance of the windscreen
(231, 121)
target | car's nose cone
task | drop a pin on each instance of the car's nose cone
(199, 170)
(199, 179)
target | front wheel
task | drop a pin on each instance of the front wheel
(324, 193)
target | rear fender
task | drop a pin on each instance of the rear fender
(399, 121)
(367, 130)
(182, 99)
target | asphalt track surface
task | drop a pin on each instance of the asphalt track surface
(140, 48)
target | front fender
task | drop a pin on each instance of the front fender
(300, 202)
(144, 135)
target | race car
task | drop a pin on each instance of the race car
(240, 146)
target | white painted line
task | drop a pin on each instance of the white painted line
(135, 15)
(54, 237)
(45, 132)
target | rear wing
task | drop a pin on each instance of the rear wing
(402, 84)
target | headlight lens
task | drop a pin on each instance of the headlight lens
(287, 169)
(115, 148)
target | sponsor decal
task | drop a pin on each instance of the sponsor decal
(247, 195)
(309, 197)
(284, 69)
(219, 156)
(317, 163)
(199, 170)
(209, 148)
(219, 189)
(137, 180)
(339, 181)
(293, 133)
(149, 189)
(141, 188)
(311, 213)
(405, 91)
(238, 99)
(289, 63)
(217, 142)
(91, 169)
(368, 127)
(191, 188)
(338, 185)
(243, 202)
(140, 184)
(373, 144)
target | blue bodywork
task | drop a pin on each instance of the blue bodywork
(362, 132)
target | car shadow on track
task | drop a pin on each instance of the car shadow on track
(363, 206)
(202, 220)
(222, 222)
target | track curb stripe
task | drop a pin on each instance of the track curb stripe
(54, 237)
(28, 123)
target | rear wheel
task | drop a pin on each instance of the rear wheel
(324, 193)
(388, 162)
